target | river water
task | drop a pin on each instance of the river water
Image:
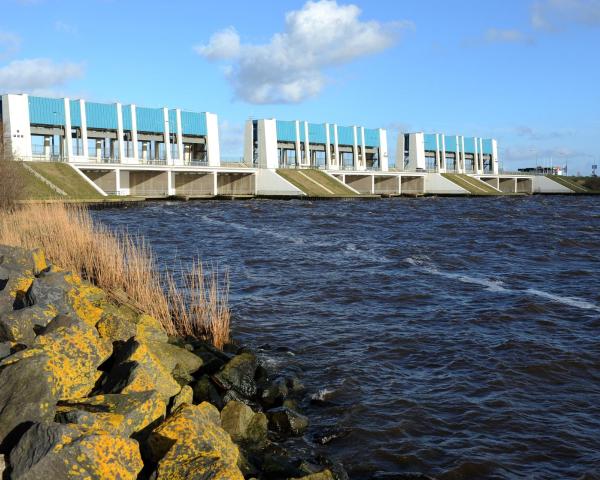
(457, 337)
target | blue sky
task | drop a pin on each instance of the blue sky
(526, 72)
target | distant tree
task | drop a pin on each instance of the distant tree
(11, 179)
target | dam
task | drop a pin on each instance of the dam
(130, 150)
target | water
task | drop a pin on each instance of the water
(454, 337)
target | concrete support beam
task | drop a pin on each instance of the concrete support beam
(84, 133)
(336, 148)
(306, 145)
(68, 140)
(134, 134)
(180, 152)
(355, 162)
(298, 149)
(383, 150)
(213, 148)
(167, 133)
(120, 133)
(327, 148)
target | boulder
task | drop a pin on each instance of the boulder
(243, 424)
(26, 395)
(59, 451)
(205, 391)
(286, 421)
(120, 323)
(238, 375)
(275, 393)
(185, 396)
(17, 326)
(5, 349)
(21, 259)
(324, 475)
(191, 444)
(172, 357)
(117, 414)
(15, 294)
(137, 369)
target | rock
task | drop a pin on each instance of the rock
(21, 259)
(286, 421)
(136, 369)
(190, 444)
(122, 323)
(61, 451)
(238, 375)
(277, 463)
(244, 426)
(116, 414)
(324, 475)
(15, 294)
(294, 385)
(330, 434)
(62, 363)
(2, 466)
(17, 326)
(5, 350)
(275, 393)
(172, 356)
(205, 391)
(26, 395)
(185, 396)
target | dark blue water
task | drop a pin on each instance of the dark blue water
(454, 337)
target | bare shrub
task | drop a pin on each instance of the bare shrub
(123, 266)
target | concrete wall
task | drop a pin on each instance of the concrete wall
(269, 183)
(436, 184)
(387, 185)
(412, 185)
(524, 185)
(148, 183)
(236, 184)
(507, 185)
(546, 185)
(194, 184)
(105, 179)
(491, 181)
(360, 183)
(17, 130)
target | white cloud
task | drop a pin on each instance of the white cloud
(37, 74)
(64, 27)
(554, 15)
(291, 67)
(9, 44)
(498, 35)
(222, 45)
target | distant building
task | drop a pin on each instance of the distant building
(543, 170)
(271, 143)
(77, 131)
(437, 152)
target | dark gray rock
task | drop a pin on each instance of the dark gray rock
(275, 393)
(287, 422)
(205, 391)
(238, 375)
(5, 350)
(17, 326)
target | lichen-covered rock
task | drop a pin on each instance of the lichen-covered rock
(137, 369)
(17, 326)
(21, 259)
(192, 445)
(26, 394)
(120, 323)
(205, 391)
(286, 421)
(243, 424)
(185, 396)
(61, 451)
(324, 475)
(117, 414)
(172, 357)
(238, 375)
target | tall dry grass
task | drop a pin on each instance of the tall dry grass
(11, 180)
(122, 265)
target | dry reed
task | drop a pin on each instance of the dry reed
(123, 266)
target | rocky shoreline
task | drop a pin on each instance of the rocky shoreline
(91, 388)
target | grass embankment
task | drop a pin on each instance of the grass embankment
(316, 183)
(578, 184)
(190, 304)
(67, 179)
(32, 187)
(471, 184)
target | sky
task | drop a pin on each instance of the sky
(526, 72)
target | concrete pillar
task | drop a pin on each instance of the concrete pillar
(145, 146)
(117, 181)
(170, 183)
(336, 148)
(215, 183)
(47, 146)
(248, 143)
(298, 150)
(124, 188)
(84, 133)
(68, 151)
(134, 134)
(120, 133)
(383, 150)
(457, 154)
(372, 184)
(306, 145)
(179, 138)
(363, 146)
(327, 148)
(443, 153)
(167, 140)
(99, 150)
(355, 148)
(495, 156)
(437, 153)
(462, 157)
(213, 149)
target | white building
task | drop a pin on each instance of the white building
(76, 131)
(271, 143)
(446, 153)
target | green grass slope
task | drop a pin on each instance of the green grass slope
(67, 179)
(316, 183)
(471, 185)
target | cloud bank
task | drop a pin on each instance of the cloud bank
(291, 67)
(37, 74)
